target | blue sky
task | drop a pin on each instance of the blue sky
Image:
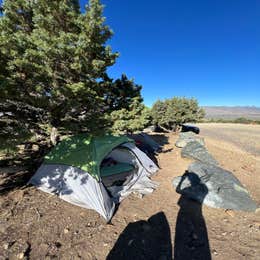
(206, 49)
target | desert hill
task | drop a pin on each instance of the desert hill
(226, 112)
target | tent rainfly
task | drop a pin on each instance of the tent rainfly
(96, 172)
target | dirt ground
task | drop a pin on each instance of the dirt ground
(245, 137)
(36, 225)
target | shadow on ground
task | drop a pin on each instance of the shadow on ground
(149, 239)
(191, 236)
(16, 172)
(161, 139)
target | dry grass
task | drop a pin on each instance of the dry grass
(244, 137)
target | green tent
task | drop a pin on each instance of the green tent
(74, 171)
(85, 152)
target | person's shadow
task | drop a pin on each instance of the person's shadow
(191, 237)
(144, 240)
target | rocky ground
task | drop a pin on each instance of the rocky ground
(36, 225)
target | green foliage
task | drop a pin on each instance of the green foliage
(239, 120)
(158, 113)
(119, 93)
(242, 120)
(125, 108)
(19, 132)
(173, 112)
(54, 56)
(129, 121)
(53, 63)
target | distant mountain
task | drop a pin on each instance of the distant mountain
(225, 112)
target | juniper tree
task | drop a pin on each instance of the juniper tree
(124, 101)
(53, 62)
(120, 93)
(131, 120)
(77, 60)
(54, 57)
(171, 113)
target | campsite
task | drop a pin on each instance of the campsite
(44, 227)
(129, 130)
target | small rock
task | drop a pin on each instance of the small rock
(257, 224)
(66, 230)
(224, 233)
(100, 227)
(257, 210)
(214, 252)
(230, 212)
(105, 244)
(6, 246)
(57, 244)
(2, 228)
(20, 256)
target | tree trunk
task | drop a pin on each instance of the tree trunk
(164, 129)
(54, 135)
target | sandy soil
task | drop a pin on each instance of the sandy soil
(245, 137)
(35, 225)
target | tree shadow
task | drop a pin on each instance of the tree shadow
(191, 237)
(149, 239)
(190, 128)
(16, 172)
(161, 139)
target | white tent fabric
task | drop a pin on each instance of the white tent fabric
(80, 188)
(75, 186)
(144, 160)
(140, 181)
